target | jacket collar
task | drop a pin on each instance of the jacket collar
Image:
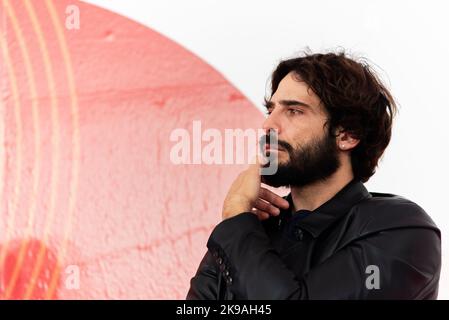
(318, 220)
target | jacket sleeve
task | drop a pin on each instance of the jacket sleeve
(408, 262)
(205, 284)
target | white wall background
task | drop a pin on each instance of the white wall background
(408, 39)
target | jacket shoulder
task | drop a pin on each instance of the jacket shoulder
(385, 211)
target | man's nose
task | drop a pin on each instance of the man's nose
(271, 123)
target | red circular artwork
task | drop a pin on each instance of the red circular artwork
(92, 207)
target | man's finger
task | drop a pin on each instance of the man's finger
(266, 207)
(262, 215)
(273, 198)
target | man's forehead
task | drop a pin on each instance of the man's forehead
(292, 87)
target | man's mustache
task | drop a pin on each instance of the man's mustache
(281, 144)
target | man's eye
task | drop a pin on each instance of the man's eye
(294, 111)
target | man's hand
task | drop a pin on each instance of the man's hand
(247, 195)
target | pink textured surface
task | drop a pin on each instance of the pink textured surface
(140, 223)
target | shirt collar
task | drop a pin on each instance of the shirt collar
(321, 218)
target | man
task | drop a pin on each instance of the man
(329, 238)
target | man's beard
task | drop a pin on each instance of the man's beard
(315, 161)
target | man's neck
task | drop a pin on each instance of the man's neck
(312, 196)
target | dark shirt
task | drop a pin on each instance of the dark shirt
(357, 245)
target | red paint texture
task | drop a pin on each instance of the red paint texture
(135, 224)
(49, 265)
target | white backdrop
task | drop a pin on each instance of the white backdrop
(407, 40)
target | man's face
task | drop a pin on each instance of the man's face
(306, 151)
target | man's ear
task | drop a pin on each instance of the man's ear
(345, 140)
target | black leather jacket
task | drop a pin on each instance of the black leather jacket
(358, 245)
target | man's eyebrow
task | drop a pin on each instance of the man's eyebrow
(287, 103)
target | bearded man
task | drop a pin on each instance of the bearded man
(329, 238)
